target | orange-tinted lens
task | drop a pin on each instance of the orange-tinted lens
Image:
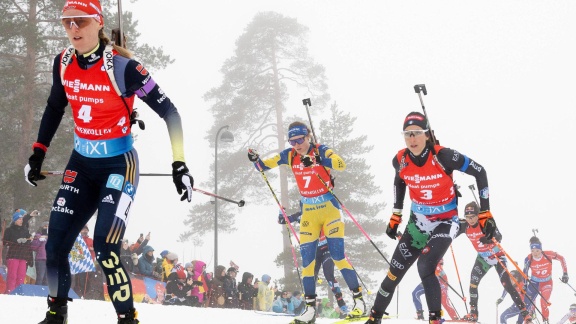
(80, 22)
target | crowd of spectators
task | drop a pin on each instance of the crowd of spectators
(186, 284)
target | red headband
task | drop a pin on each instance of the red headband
(91, 7)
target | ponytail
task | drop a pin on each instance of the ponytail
(121, 50)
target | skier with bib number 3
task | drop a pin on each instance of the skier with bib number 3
(99, 81)
(426, 169)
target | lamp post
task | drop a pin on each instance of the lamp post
(226, 137)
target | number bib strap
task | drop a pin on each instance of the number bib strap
(103, 148)
(433, 210)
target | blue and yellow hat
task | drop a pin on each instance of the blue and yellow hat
(297, 130)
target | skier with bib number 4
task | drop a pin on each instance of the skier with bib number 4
(99, 81)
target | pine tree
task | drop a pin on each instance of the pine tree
(270, 61)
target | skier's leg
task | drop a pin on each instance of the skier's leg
(509, 286)
(310, 226)
(416, 293)
(546, 291)
(508, 313)
(436, 247)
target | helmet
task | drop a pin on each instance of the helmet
(516, 275)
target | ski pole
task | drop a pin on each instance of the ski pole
(570, 286)
(286, 219)
(277, 200)
(454, 290)
(397, 299)
(522, 291)
(352, 217)
(473, 189)
(453, 307)
(421, 88)
(294, 257)
(307, 103)
(496, 313)
(292, 248)
(240, 203)
(520, 271)
(358, 275)
(459, 280)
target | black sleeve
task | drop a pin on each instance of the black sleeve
(399, 186)
(453, 160)
(498, 235)
(463, 227)
(55, 106)
(139, 82)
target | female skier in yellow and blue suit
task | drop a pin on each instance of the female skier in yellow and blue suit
(320, 210)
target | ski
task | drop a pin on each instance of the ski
(273, 314)
(360, 319)
(352, 319)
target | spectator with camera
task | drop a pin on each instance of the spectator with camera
(38, 245)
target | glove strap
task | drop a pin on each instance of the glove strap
(40, 146)
(395, 219)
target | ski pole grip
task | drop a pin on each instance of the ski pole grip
(307, 102)
(420, 87)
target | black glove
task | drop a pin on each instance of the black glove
(309, 161)
(34, 166)
(183, 180)
(485, 240)
(253, 155)
(197, 283)
(565, 277)
(487, 224)
(392, 229)
(499, 300)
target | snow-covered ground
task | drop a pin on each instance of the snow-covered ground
(22, 309)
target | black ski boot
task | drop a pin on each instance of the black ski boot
(435, 317)
(526, 316)
(128, 318)
(57, 311)
(473, 315)
(375, 317)
(420, 314)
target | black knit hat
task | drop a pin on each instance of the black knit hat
(415, 118)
